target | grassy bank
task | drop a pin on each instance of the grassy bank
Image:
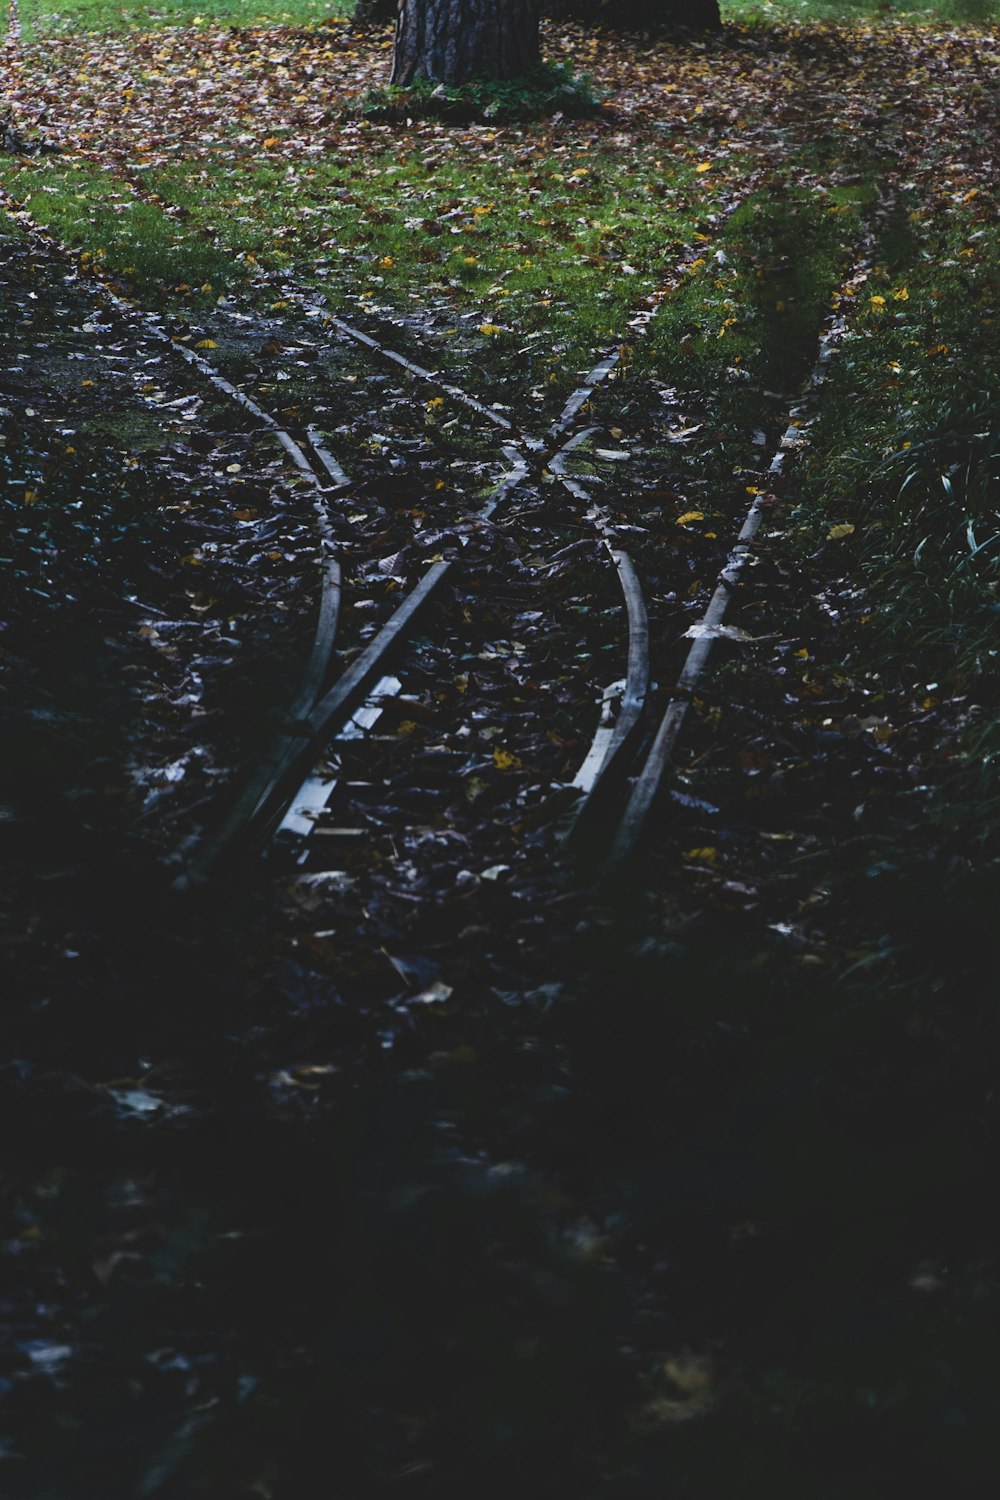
(920, 482)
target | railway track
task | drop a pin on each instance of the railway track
(288, 792)
(319, 711)
(616, 783)
(611, 768)
(316, 715)
(615, 786)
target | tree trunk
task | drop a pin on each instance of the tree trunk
(451, 41)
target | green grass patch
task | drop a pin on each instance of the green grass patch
(762, 292)
(90, 212)
(534, 259)
(48, 17)
(742, 331)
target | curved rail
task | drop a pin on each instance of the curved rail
(610, 741)
(317, 667)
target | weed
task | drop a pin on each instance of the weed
(548, 89)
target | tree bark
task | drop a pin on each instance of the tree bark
(452, 41)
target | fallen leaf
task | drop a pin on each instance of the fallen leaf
(505, 761)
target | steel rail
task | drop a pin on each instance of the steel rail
(649, 779)
(287, 784)
(317, 669)
(608, 746)
(291, 754)
(317, 666)
(328, 613)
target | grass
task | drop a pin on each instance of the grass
(922, 482)
(90, 212)
(848, 12)
(534, 263)
(742, 325)
(925, 484)
(747, 322)
(520, 261)
(47, 17)
(53, 16)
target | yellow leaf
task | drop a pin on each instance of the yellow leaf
(878, 301)
(901, 294)
(206, 344)
(31, 497)
(272, 140)
(505, 761)
(704, 166)
(407, 727)
(689, 516)
(706, 856)
(802, 653)
(489, 328)
(837, 532)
